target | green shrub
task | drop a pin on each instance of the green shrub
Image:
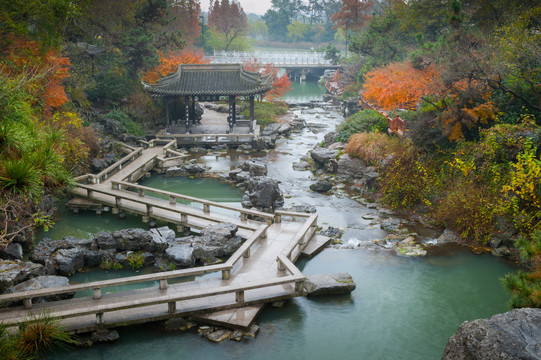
(111, 86)
(136, 260)
(363, 121)
(132, 127)
(266, 112)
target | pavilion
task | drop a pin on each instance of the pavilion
(209, 82)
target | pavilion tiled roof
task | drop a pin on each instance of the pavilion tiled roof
(210, 79)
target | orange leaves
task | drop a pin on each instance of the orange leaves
(169, 64)
(353, 14)
(400, 85)
(47, 70)
(281, 84)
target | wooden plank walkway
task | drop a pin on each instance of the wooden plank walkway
(261, 270)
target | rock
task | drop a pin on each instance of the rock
(322, 156)
(233, 174)
(97, 165)
(255, 167)
(186, 170)
(284, 129)
(371, 179)
(41, 282)
(181, 255)
(447, 237)
(105, 335)
(242, 176)
(330, 138)
(237, 335)
(13, 272)
(350, 166)
(197, 150)
(12, 251)
(332, 232)
(68, 261)
(161, 238)
(252, 331)
(179, 324)
(113, 127)
(126, 240)
(220, 335)
(271, 129)
(392, 225)
(513, 335)
(216, 241)
(408, 247)
(278, 304)
(307, 209)
(264, 142)
(264, 193)
(93, 258)
(329, 284)
(321, 186)
(301, 166)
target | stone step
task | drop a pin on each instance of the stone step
(316, 245)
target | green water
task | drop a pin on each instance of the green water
(403, 308)
(87, 223)
(305, 91)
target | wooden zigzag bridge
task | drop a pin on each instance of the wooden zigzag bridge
(232, 293)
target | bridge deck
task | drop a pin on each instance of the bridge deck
(260, 271)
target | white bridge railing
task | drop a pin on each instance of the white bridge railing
(293, 59)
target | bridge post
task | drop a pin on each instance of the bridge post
(97, 294)
(281, 266)
(226, 274)
(99, 318)
(180, 228)
(239, 296)
(243, 216)
(246, 253)
(27, 303)
(206, 208)
(171, 307)
(277, 218)
(163, 284)
(299, 285)
(141, 193)
(149, 209)
(172, 200)
(184, 218)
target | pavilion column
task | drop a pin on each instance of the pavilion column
(187, 106)
(231, 118)
(168, 121)
(252, 112)
(193, 110)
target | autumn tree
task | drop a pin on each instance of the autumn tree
(280, 84)
(227, 19)
(169, 63)
(354, 14)
(400, 85)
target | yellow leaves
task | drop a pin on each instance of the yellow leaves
(456, 132)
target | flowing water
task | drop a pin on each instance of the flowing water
(403, 308)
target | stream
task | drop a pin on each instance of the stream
(403, 308)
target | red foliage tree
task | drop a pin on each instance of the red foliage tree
(169, 64)
(228, 18)
(400, 85)
(280, 84)
(354, 14)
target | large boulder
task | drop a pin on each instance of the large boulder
(68, 261)
(186, 170)
(321, 186)
(42, 282)
(216, 241)
(263, 193)
(329, 284)
(12, 251)
(255, 167)
(126, 240)
(350, 166)
(322, 156)
(181, 255)
(13, 272)
(513, 335)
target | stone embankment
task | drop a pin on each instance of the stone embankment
(53, 261)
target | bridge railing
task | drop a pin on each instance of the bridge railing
(302, 236)
(117, 166)
(173, 197)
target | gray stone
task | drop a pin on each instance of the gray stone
(284, 129)
(219, 335)
(216, 241)
(408, 247)
(264, 194)
(332, 232)
(13, 272)
(350, 166)
(447, 237)
(105, 335)
(237, 335)
(271, 129)
(41, 282)
(301, 166)
(233, 173)
(68, 261)
(179, 323)
(510, 336)
(181, 255)
(12, 251)
(161, 237)
(371, 179)
(186, 170)
(255, 167)
(321, 186)
(322, 156)
(93, 258)
(329, 284)
(97, 165)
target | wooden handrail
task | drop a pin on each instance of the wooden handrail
(300, 235)
(204, 202)
(136, 153)
(244, 250)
